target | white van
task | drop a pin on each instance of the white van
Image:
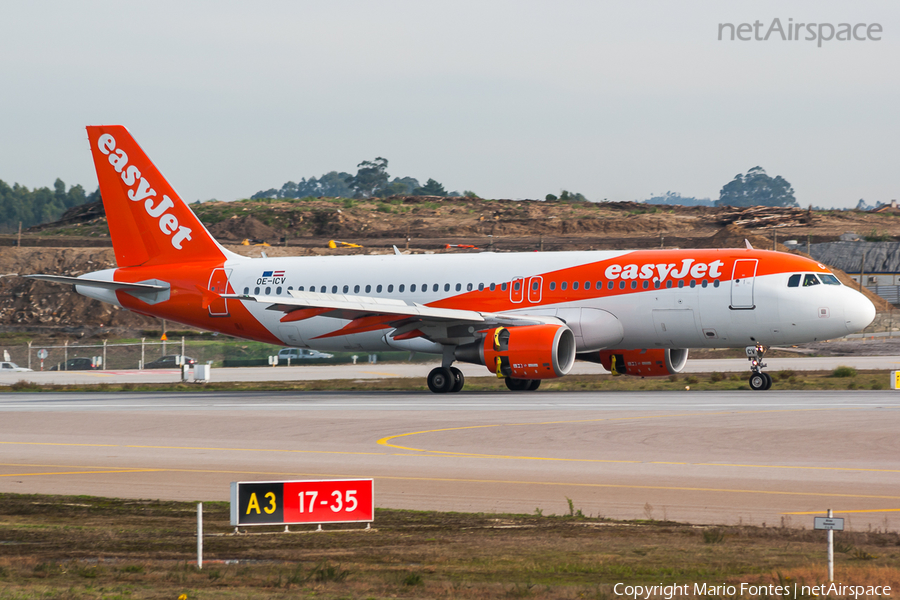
(301, 354)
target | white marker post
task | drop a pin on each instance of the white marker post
(830, 524)
(830, 537)
(200, 535)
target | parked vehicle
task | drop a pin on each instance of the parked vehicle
(11, 367)
(169, 362)
(75, 364)
(301, 354)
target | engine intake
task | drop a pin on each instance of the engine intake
(526, 352)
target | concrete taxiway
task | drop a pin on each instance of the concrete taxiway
(707, 457)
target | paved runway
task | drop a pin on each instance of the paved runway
(378, 371)
(703, 457)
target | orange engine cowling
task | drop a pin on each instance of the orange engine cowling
(526, 352)
(655, 362)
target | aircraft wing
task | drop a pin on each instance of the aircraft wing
(367, 313)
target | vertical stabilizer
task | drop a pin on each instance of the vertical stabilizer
(148, 222)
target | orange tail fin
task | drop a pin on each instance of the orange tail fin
(148, 222)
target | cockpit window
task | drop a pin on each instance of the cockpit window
(810, 279)
(829, 279)
(794, 281)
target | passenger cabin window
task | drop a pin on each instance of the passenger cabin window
(810, 279)
(458, 287)
(378, 289)
(368, 288)
(503, 287)
(322, 289)
(564, 285)
(435, 287)
(552, 285)
(469, 287)
(412, 287)
(574, 285)
(794, 281)
(268, 291)
(390, 287)
(401, 288)
(334, 289)
(355, 289)
(346, 288)
(278, 291)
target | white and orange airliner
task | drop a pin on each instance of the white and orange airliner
(525, 316)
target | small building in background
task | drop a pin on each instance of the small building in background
(877, 263)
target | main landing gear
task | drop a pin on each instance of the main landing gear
(522, 385)
(758, 379)
(443, 380)
(449, 380)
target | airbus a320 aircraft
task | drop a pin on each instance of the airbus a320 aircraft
(525, 316)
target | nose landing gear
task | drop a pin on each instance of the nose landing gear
(758, 379)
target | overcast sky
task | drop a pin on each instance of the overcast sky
(616, 100)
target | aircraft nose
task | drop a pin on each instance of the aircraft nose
(859, 312)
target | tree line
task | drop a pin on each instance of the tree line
(371, 181)
(18, 204)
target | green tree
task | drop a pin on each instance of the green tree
(757, 189)
(400, 186)
(371, 177)
(18, 204)
(431, 188)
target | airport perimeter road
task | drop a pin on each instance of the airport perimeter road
(703, 457)
(386, 370)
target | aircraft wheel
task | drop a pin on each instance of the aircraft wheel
(534, 384)
(768, 381)
(441, 380)
(517, 385)
(459, 380)
(758, 381)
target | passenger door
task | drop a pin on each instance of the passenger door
(218, 283)
(742, 278)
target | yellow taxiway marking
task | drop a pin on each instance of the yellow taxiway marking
(836, 511)
(387, 441)
(472, 481)
(98, 472)
(196, 448)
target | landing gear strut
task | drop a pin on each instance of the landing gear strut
(758, 379)
(443, 380)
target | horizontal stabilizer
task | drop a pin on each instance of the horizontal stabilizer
(100, 283)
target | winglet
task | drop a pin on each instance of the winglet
(746, 241)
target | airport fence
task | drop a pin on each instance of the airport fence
(140, 354)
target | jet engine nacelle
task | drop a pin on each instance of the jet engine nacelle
(655, 362)
(526, 352)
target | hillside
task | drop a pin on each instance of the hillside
(510, 224)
